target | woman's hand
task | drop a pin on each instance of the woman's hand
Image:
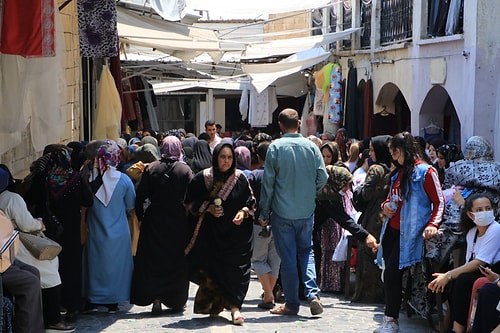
(216, 211)
(387, 210)
(429, 232)
(371, 242)
(457, 196)
(240, 216)
(492, 276)
(439, 283)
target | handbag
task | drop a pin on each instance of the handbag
(9, 242)
(54, 227)
(40, 246)
(340, 253)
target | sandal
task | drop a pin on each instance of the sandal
(266, 305)
(283, 310)
(237, 318)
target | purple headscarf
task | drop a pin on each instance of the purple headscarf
(243, 157)
(171, 148)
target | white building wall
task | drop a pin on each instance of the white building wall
(472, 66)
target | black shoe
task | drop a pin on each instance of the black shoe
(112, 308)
(71, 316)
(156, 310)
(59, 327)
(90, 308)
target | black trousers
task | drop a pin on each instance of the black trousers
(487, 318)
(393, 276)
(51, 300)
(22, 281)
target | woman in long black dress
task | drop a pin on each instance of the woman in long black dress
(221, 247)
(160, 268)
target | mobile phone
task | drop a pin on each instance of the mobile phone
(482, 267)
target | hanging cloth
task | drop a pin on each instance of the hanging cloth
(351, 112)
(335, 114)
(27, 28)
(97, 27)
(109, 108)
(367, 108)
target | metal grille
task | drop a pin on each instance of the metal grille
(366, 22)
(395, 21)
(347, 22)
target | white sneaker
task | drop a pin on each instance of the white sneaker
(389, 325)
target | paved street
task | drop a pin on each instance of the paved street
(339, 316)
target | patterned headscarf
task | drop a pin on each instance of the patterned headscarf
(171, 148)
(338, 177)
(479, 149)
(108, 155)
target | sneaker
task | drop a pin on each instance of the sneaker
(315, 306)
(389, 325)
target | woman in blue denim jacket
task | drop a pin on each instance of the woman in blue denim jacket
(413, 208)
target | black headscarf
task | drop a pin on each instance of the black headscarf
(202, 157)
(218, 175)
(381, 149)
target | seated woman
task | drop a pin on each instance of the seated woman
(487, 317)
(483, 248)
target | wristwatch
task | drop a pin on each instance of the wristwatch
(448, 275)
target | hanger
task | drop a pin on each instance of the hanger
(384, 111)
(432, 128)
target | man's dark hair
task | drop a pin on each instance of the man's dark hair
(289, 118)
(209, 123)
(262, 149)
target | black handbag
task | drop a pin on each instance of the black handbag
(54, 227)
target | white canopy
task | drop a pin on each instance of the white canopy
(264, 75)
(292, 45)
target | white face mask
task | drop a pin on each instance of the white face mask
(484, 218)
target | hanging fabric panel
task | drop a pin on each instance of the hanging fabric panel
(97, 27)
(27, 28)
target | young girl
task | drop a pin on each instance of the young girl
(483, 249)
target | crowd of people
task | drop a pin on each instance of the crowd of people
(144, 216)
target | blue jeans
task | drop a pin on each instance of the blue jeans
(293, 239)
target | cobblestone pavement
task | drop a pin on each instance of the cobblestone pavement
(339, 316)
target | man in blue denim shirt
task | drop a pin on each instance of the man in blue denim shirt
(295, 171)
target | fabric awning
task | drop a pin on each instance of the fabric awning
(294, 85)
(292, 45)
(183, 42)
(263, 75)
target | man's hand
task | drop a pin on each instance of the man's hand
(263, 222)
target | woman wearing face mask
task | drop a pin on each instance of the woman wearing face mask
(483, 249)
(413, 211)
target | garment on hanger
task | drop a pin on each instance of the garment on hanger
(335, 114)
(262, 107)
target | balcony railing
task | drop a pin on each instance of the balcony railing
(395, 21)
(366, 22)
